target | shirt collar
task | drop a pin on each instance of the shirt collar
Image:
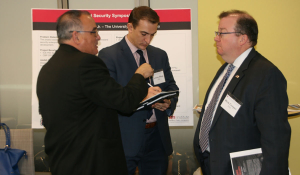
(131, 46)
(237, 62)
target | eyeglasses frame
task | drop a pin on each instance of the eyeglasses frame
(221, 33)
(79, 31)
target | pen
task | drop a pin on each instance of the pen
(150, 85)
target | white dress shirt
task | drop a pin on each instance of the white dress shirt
(137, 59)
(237, 63)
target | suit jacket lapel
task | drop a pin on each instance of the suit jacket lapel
(127, 56)
(205, 99)
(151, 57)
(152, 60)
(233, 83)
(208, 90)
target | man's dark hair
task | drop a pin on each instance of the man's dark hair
(144, 13)
(245, 24)
(69, 21)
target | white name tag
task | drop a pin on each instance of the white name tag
(231, 104)
(158, 77)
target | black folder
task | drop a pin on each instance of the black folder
(157, 98)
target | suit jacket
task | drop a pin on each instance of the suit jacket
(79, 101)
(122, 65)
(261, 121)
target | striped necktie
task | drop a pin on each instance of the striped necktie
(208, 113)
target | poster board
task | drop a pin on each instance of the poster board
(173, 36)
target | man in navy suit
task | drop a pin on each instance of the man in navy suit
(145, 133)
(249, 109)
(79, 102)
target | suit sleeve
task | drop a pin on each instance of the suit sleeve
(170, 84)
(272, 120)
(105, 91)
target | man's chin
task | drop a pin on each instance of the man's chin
(143, 47)
(93, 53)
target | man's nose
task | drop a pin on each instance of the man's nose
(98, 37)
(148, 39)
(217, 38)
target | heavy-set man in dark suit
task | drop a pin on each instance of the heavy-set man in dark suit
(146, 137)
(79, 101)
(250, 111)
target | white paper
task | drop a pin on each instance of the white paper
(252, 159)
(230, 105)
(158, 78)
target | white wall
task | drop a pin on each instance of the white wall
(15, 60)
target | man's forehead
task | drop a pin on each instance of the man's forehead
(227, 22)
(145, 22)
(146, 26)
(145, 30)
(88, 22)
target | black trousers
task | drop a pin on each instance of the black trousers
(152, 158)
(204, 163)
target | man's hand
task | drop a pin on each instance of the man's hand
(152, 91)
(162, 106)
(145, 70)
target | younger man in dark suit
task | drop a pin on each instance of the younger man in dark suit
(79, 101)
(145, 134)
(246, 104)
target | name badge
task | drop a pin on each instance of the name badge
(158, 77)
(231, 104)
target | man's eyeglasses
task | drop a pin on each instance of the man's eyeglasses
(222, 33)
(92, 32)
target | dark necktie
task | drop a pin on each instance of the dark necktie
(208, 113)
(142, 61)
(142, 58)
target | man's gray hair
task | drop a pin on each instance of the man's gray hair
(67, 22)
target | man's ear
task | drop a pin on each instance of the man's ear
(75, 37)
(243, 39)
(130, 27)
